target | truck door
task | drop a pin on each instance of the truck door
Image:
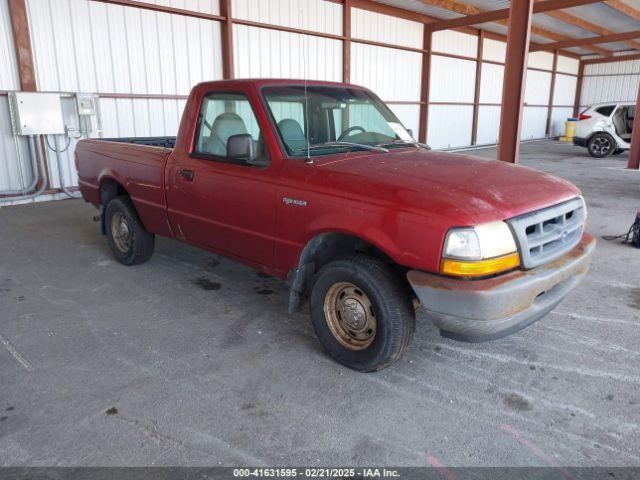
(219, 202)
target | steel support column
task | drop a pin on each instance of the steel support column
(576, 101)
(226, 33)
(552, 92)
(515, 74)
(634, 153)
(425, 86)
(22, 41)
(476, 93)
(346, 43)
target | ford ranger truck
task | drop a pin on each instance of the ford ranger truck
(319, 183)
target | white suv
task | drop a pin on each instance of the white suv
(605, 129)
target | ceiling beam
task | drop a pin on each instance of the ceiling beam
(580, 42)
(558, 38)
(502, 14)
(624, 8)
(622, 58)
(453, 6)
(583, 24)
(145, 5)
(472, 11)
(374, 6)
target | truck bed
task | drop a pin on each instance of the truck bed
(165, 142)
(137, 164)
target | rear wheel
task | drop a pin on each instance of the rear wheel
(128, 240)
(362, 313)
(601, 145)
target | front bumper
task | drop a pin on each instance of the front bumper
(482, 310)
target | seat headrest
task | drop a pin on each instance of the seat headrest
(292, 134)
(224, 126)
(227, 124)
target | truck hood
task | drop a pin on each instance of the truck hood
(470, 189)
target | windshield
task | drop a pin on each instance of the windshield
(333, 119)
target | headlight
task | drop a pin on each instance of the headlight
(479, 251)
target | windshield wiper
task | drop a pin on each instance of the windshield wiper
(319, 146)
(405, 142)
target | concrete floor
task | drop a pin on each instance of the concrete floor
(204, 367)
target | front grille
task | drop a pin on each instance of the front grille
(547, 234)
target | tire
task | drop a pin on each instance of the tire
(131, 244)
(601, 145)
(378, 290)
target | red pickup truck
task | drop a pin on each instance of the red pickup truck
(321, 184)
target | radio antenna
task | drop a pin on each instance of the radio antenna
(305, 54)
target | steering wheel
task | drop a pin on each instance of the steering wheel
(347, 132)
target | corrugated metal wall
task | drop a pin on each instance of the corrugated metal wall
(564, 93)
(315, 15)
(394, 75)
(86, 46)
(259, 52)
(452, 89)
(377, 27)
(15, 167)
(610, 82)
(140, 117)
(9, 71)
(132, 57)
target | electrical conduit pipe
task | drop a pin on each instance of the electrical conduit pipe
(63, 187)
(43, 175)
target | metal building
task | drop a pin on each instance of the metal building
(440, 65)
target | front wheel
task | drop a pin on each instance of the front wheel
(601, 145)
(361, 313)
(128, 240)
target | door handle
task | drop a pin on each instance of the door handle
(187, 175)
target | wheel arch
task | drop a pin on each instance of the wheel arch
(323, 248)
(110, 188)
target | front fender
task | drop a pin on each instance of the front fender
(408, 239)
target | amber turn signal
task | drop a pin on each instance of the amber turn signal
(480, 268)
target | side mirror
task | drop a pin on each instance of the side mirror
(410, 132)
(241, 147)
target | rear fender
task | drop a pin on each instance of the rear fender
(110, 188)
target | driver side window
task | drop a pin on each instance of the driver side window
(226, 115)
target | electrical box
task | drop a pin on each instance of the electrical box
(86, 104)
(36, 113)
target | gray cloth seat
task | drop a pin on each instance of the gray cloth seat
(619, 121)
(292, 134)
(224, 126)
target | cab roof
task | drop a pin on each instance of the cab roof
(261, 82)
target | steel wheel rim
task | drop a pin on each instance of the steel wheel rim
(350, 316)
(601, 146)
(121, 232)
